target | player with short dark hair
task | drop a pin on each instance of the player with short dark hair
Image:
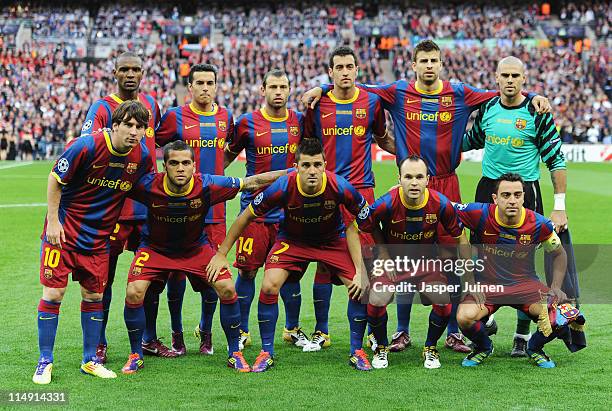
(409, 215)
(312, 230)
(85, 194)
(128, 73)
(270, 137)
(429, 117)
(174, 239)
(206, 127)
(347, 121)
(509, 234)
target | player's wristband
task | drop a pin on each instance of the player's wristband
(559, 202)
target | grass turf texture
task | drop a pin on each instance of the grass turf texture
(299, 380)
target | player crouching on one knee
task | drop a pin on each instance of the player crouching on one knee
(312, 230)
(508, 234)
(174, 240)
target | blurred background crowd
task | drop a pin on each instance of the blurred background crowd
(56, 60)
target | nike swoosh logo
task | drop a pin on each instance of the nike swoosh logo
(359, 320)
(326, 115)
(296, 295)
(261, 134)
(234, 326)
(157, 205)
(243, 296)
(397, 221)
(96, 319)
(191, 126)
(294, 208)
(131, 331)
(47, 318)
(412, 101)
(98, 166)
(485, 233)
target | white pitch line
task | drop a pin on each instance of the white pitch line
(23, 205)
(19, 164)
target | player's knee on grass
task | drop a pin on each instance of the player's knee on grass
(90, 296)
(135, 292)
(247, 275)
(54, 295)
(225, 289)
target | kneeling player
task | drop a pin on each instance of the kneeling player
(311, 231)
(509, 234)
(410, 214)
(174, 239)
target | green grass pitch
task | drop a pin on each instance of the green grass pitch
(300, 380)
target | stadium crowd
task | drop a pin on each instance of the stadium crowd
(45, 94)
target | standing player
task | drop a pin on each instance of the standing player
(509, 234)
(312, 230)
(429, 117)
(270, 137)
(206, 127)
(85, 193)
(514, 138)
(410, 214)
(174, 239)
(128, 73)
(346, 120)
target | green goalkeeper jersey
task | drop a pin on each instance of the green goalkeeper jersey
(514, 139)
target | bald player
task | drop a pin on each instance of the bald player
(515, 138)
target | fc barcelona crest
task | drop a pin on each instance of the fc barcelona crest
(131, 168)
(520, 124)
(136, 271)
(48, 273)
(361, 113)
(431, 218)
(525, 239)
(294, 130)
(196, 203)
(274, 259)
(329, 204)
(446, 101)
(222, 125)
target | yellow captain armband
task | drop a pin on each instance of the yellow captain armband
(553, 243)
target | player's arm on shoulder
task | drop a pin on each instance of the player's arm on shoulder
(237, 141)
(54, 231)
(258, 181)
(469, 214)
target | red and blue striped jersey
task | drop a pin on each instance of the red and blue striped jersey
(99, 116)
(509, 250)
(346, 129)
(206, 132)
(431, 124)
(270, 145)
(175, 223)
(406, 224)
(95, 180)
(310, 218)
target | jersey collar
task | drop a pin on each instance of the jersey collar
(338, 101)
(418, 206)
(318, 193)
(517, 225)
(205, 113)
(438, 89)
(173, 194)
(109, 145)
(268, 117)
